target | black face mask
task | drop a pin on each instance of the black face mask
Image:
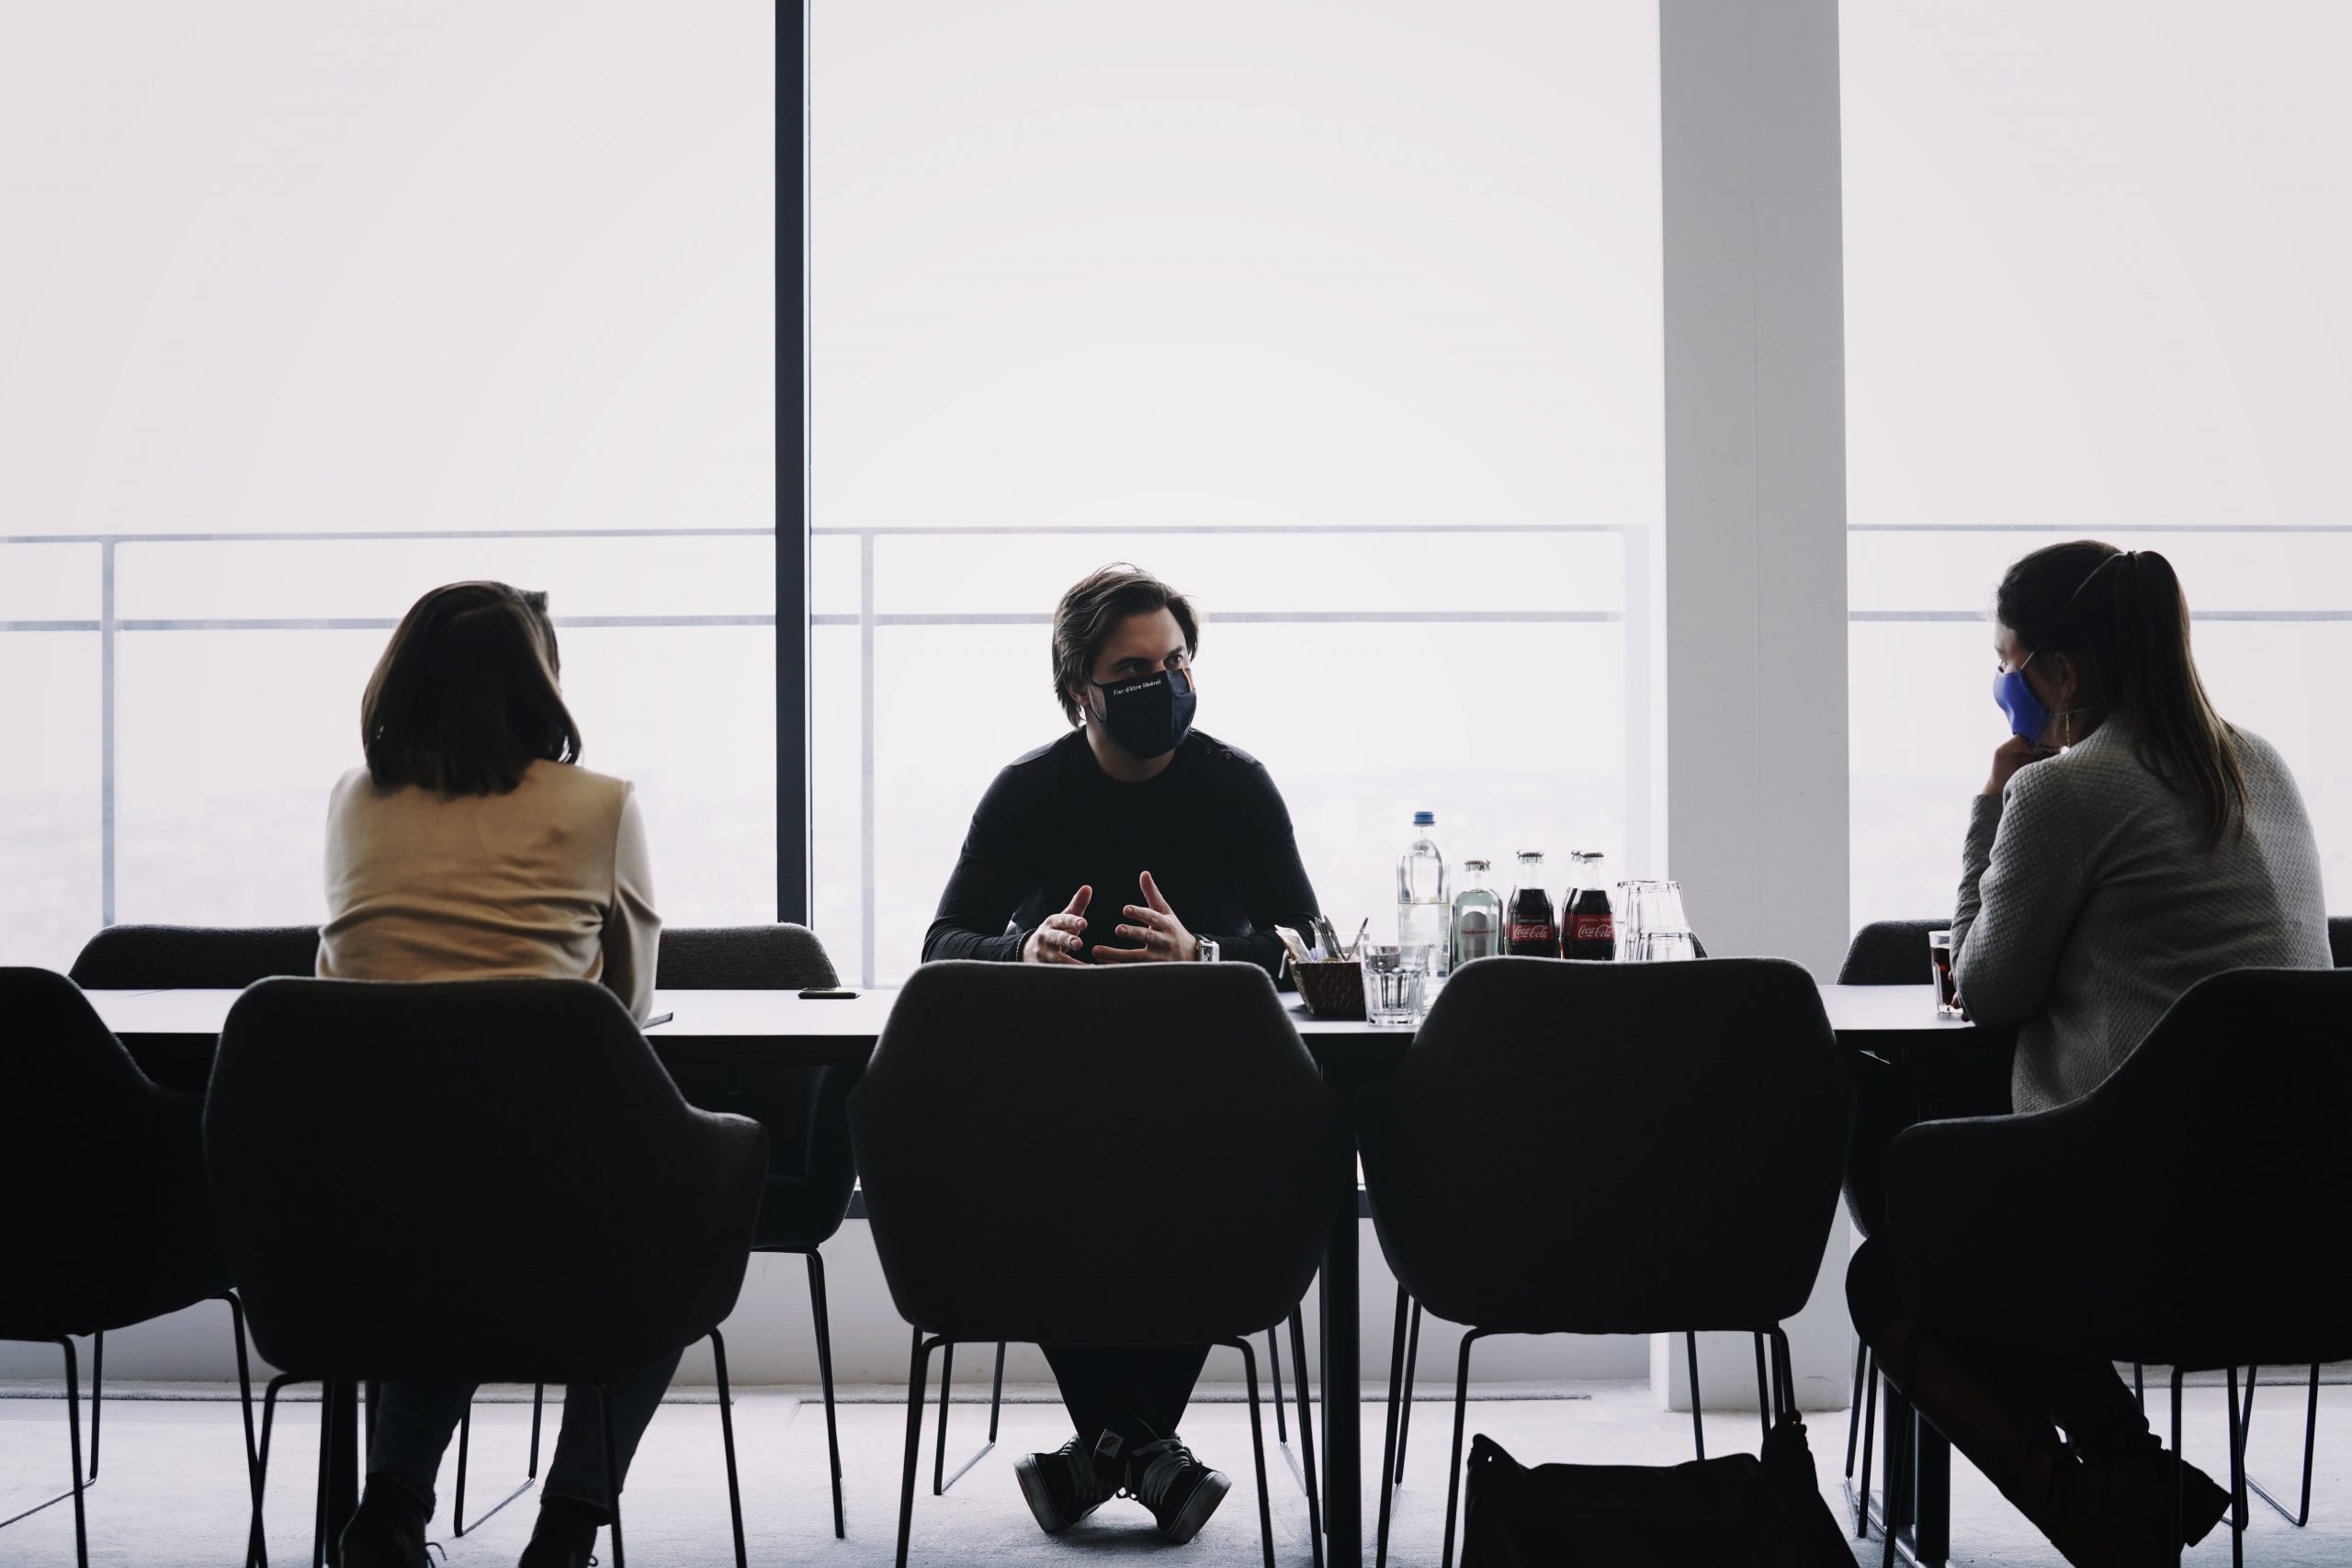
(1148, 715)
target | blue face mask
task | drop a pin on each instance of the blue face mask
(2027, 718)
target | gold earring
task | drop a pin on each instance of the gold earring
(2066, 724)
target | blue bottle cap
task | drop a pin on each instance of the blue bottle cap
(1424, 818)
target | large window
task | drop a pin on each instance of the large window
(313, 307)
(2095, 271)
(1344, 320)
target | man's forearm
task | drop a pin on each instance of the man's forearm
(947, 940)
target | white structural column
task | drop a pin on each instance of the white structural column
(1755, 547)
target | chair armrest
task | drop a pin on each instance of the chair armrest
(688, 1223)
(2051, 1230)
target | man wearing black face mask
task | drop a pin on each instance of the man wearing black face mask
(1133, 839)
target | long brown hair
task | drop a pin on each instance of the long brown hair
(467, 695)
(2121, 616)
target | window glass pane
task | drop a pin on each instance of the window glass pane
(473, 272)
(2094, 255)
(50, 800)
(1351, 334)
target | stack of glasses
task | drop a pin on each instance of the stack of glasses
(1651, 926)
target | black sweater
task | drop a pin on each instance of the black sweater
(1211, 829)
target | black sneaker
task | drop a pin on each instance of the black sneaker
(1180, 1491)
(1061, 1487)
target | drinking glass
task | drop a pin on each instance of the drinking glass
(1393, 975)
(1939, 961)
(1651, 926)
(1633, 919)
(1666, 929)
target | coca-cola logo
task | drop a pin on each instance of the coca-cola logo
(1596, 928)
(1530, 932)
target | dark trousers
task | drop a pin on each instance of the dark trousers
(414, 1421)
(2082, 1395)
(1125, 1389)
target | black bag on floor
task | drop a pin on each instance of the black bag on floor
(1734, 1512)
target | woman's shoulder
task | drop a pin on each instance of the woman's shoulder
(569, 784)
(2256, 751)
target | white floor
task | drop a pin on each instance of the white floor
(171, 1486)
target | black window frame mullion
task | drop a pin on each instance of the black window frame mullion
(792, 803)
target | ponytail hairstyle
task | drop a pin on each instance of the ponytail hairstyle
(2121, 616)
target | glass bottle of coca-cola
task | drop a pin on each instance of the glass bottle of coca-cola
(1532, 934)
(1587, 925)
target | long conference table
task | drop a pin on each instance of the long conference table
(1900, 1048)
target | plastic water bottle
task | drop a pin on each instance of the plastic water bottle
(1424, 904)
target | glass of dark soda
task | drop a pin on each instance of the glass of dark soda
(1939, 959)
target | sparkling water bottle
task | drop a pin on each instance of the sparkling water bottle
(1478, 916)
(1424, 907)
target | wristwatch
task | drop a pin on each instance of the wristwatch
(1210, 950)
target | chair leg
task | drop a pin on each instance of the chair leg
(726, 1436)
(1697, 1430)
(73, 1441)
(1903, 1457)
(938, 1457)
(1763, 1389)
(940, 1479)
(824, 1325)
(1870, 1420)
(2302, 1515)
(245, 1407)
(2311, 1438)
(2237, 1477)
(458, 1522)
(1306, 1434)
(1405, 1413)
(1257, 1450)
(995, 1393)
(326, 1453)
(1275, 1372)
(1453, 1476)
(98, 1381)
(2178, 1488)
(1388, 1440)
(73, 1473)
(1854, 1405)
(918, 1370)
(465, 1446)
(256, 1551)
(1785, 1376)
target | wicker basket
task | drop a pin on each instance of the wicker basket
(1331, 988)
